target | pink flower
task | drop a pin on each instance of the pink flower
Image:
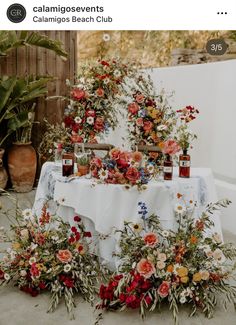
(170, 147)
(145, 268)
(115, 153)
(34, 271)
(139, 121)
(150, 239)
(139, 98)
(97, 162)
(133, 108)
(163, 289)
(90, 113)
(147, 126)
(137, 156)
(100, 92)
(78, 94)
(64, 255)
(132, 174)
(99, 124)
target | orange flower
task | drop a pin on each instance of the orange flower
(193, 239)
(137, 156)
(150, 239)
(145, 268)
(179, 195)
(170, 268)
(64, 255)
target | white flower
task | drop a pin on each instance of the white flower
(103, 174)
(165, 233)
(106, 37)
(82, 80)
(27, 214)
(90, 120)
(24, 233)
(55, 238)
(78, 120)
(7, 277)
(180, 209)
(32, 260)
(117, 73)
(162, 127)
(182, 300)
(162, 257)
(23, 273)
(150, 168)
(218, 255)
(33, 246)
(106, 81)
(67, 268)
(160, 265)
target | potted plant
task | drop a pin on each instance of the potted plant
(83, 164)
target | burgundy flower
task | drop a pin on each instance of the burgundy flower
(1, 275)
(77, 236)
(87, 234)
(74, 230)
(77, 219)
(69, 283)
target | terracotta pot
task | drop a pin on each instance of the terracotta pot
(83, 170)
(22, 164)
(3, 173)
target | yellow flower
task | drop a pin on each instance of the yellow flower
(153, 114)
(182, 271)
(197, 277)
(149, 108)
(16, 246)
(137, 227)
(184, 279)
(41, 267)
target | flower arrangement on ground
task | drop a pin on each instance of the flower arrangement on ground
(93, 100)
(179, 267)
(47, 254)
(122, 167)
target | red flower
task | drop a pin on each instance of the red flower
(77, 219)
(42, 285)
(69, 283)
(148, 299)
(71, 240)
(77, 236)
(75, 138)
(78, 94)
(1, 275)
(69, 121)
(163, 289)
(73, 229)
(133, 301)
(99, 124)
(133, 108)
(105, 63)
(132, 174)
(122, 297)
(100, 92)
(122, 163)
(147, 126)
(118, 277)
(90, 113)
(34, 271)
(87, 234)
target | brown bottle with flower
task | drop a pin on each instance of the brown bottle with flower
(67, 162)
(184, 164)
(168, 168)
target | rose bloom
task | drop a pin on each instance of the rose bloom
(132, 174)
(100, 92)
(204, 275)
(99, 124)
(147, 126)
(90, 113)
(160, 265)
(139, 98)
(133, 108)
(163, 289)
(139, 121)
(170, 147)
(64, 255)
(78, 94)
(150, 239)
(137, 156)
(145, 268)
(115, 153)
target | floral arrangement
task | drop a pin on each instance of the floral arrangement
(93, 100)
(183, 135)
(179, 267)
(48, 254)
(122, 167)
(56, 137)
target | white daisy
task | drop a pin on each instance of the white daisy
(150, 168)
(90, 120)
(180, 209)
(103, 174)
(117, 73)
(7, 277)
(27, 214)
(165, 233)
(67, 268)
(78, 120)
(106, 37)
(182, 300)
(106, 81)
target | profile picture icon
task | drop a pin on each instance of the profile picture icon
(16, 13)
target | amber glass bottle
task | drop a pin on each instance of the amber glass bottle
(67, 163)
(184, 164)
(168, 168)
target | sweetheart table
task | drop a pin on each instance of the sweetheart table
(105, 207)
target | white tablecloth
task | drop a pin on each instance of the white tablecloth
(105, 207)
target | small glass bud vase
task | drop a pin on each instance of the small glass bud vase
(184, 164)
(168, 168)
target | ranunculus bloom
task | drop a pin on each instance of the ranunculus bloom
(99, 124)
(139, 98)
(145, 268)
(115, 153)
(90, 113)
(137, 156)
(150, 239)
(100, 92)
(139, 121)
(133, 108)
(163, 289)
(147, 126)
(64, 255)
(78, 94)
(170, 147)
(132, 174)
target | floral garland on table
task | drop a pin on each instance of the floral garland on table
(50, 255)
(178, 267)
(122, 167)
(92, 108)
